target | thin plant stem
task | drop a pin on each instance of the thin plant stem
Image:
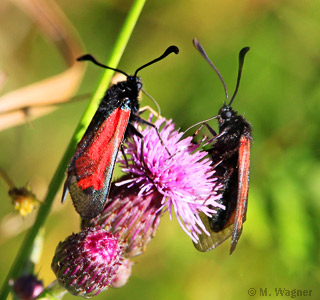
(120, 45)
(6, 178)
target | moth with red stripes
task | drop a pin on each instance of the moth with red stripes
(230, 154)
(90, 170)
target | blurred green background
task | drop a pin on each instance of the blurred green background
(279, 95)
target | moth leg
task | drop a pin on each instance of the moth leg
(215, 135)
(124, 155)
(223, 157)
(139, 119)
(212, 131)
(205, 138)
(197, 132)
(149, 108)
(136, 132)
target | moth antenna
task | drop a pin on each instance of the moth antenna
(198, 46)
(89, 57)
(242, 54)
(169, 50)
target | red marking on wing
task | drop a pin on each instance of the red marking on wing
(92, 166)
(243, 190)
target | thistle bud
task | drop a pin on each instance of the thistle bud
(86, 263)
(27, 287)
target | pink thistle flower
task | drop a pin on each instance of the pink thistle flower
(86, 263)
(182, 182)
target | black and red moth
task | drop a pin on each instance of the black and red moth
(230, 154)
(90, 170)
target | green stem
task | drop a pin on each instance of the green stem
(120, 45)
(53, 291)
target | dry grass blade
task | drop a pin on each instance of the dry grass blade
(3, 78)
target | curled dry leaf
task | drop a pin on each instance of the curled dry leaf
(28, 103)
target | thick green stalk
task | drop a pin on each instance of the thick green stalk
(120, 45)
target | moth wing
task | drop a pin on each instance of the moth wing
(90, 172)
(209, 242)
(243, 190)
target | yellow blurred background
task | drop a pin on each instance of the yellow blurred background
(279, 95)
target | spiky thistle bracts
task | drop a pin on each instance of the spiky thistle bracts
(86, 262)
